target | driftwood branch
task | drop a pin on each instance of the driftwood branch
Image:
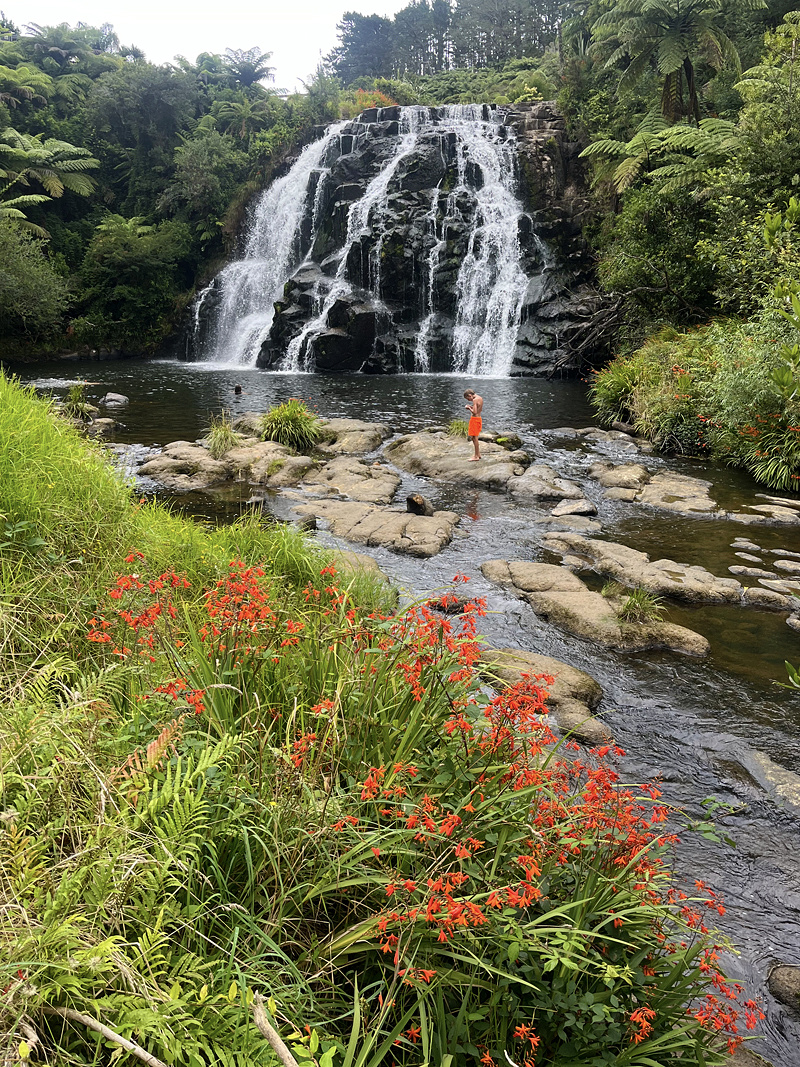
(109, 1035)
(270, 1033)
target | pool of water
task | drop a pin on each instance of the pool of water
(690, 723)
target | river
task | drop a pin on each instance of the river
(693, 725)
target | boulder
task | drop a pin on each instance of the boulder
(354, 478)
(742, 543)
(747, 556)
(186, 466)
(417, 504)
(784, 552)
(781, 501)
(572, 694)
(794, 622)
(560, 596)
(751, 572)
(437, 455)
(767, 599)
(365, 524)
(541, 482)
(574, 507)
(354, 436)
(776, 513)
(678, 492)
(100, 427)
(114, 400)
(784, 984)
(780, 585)
(662, 577)
(620, 476)
(788, 565)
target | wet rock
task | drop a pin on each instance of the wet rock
(778, 514)
(745, 1057)
(768, 599)
(437, 455)
(184, 466)
(784, 552)
(365, 524)
(747, 546)
(572, 694)
(752, 572)
(678, 492)
(747, 556)
(615, 493)
(781, 501)
(114, 400)
(663, 577)
(279, 473)
(620, 476)
(783, 785)
(542, 482)
(617, 439)
(354, 436)
(417, 504)
(356, 479)
(784, 984)
(556, 594)
(574, 507)
(510, 441)
(787, 565)
(249, 423)
(781, 585)
(794, 622)
(100, 427)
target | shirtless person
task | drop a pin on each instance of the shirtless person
(474, 407)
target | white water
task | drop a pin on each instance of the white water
(250, 286)
(491, 283)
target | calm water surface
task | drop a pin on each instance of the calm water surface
(692, 724)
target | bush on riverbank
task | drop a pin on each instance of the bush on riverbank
(728, 390)
(241, 779)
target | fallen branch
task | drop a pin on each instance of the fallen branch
(109, 1035)
(270, 1033)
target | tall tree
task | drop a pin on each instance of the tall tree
(673, 35)
(366, 47)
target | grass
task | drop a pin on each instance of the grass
(221, 436)
(641, 606)
(291, 424)
(458, 428)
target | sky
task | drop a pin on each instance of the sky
(297, 32)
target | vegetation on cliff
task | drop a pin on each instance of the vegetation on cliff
(238, 789)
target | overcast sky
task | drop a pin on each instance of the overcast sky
(297, 32)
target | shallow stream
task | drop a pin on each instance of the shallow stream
(693, 724)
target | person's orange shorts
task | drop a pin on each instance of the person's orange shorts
(475, 426)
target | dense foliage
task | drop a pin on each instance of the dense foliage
(246, 791)
(134, 176)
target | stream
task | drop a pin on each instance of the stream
(691, 724)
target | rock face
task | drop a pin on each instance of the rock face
(561, 597)
(375, 276)
(572, 694)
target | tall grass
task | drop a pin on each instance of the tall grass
(291, 424)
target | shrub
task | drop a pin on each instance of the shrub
(291, 424)
(221, 436)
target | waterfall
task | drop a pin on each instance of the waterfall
(248, 288)
(469, 216)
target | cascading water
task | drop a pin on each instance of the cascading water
(248, 288)
(393, 243)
